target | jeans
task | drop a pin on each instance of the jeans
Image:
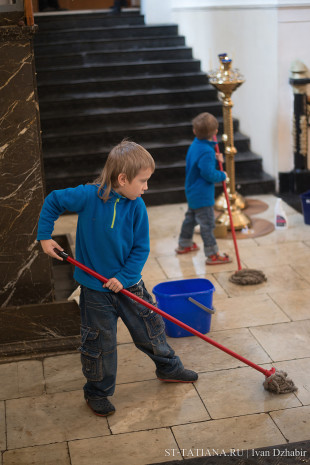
(99, 315)
(205, 218)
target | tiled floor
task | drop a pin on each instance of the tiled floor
(44, 419)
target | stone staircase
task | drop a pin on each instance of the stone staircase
(103, 78)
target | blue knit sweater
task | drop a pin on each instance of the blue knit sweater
(112, 238)
(201, 174)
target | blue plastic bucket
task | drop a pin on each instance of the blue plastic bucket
(173, 298)
(305, 199)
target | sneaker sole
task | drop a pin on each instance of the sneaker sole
(219, 262)
(100, 414)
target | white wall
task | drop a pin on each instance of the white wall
(263, 38)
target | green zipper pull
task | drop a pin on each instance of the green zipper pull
(114, 214)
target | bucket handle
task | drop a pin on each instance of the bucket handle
(206, 309)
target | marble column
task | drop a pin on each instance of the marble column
(25, 272)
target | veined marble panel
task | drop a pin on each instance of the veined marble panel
(25, 271)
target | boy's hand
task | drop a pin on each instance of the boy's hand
(219, 157)
(114, 285)
(48, 246)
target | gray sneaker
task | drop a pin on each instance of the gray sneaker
(101, 406)
(185, 376)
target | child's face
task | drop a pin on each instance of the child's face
(136, 187)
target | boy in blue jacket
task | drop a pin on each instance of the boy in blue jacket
(112, 239)
(201, 175)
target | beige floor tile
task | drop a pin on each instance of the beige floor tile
(22, 379)
(299, 372)
(241, 393)
(2, 427)
(201, 356)
(285, 341)
(63, 373)
(123, 335)
(275, 255)
(154, 404)
(278, 278)
(138, 448)
(166, 245)
(302, 270)
(133, 365)
(294, 423)
(66, 224)
(152, 270)
(183, 266)
(51, 454)
(166, 222)
(231, 434)
(51, 418)
(295, 304)
(246, 311)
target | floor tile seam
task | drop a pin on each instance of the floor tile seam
(299, 274)
(68, 452)
(175, 439)
(161, 268)
(222, 419)
(196, 389)
(44, 394)
(277, 426)
(291, 322)
(284, 409)
(260, 344)
(65, 441)
(121, 433)
(279, 306)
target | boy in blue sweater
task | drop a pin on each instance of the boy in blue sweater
(113, 239)
(201, 175)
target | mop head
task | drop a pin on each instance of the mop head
(279, 383)
(248, 277)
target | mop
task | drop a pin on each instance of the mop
(242, 276)
(275, 381)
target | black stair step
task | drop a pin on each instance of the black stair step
(173, 190)
(147, 68)
(128, 121)
(97, 20)
(82, 103)
(65, 89)
(111, 45)
(128, 56)
(111, 118)
(97, 142)
(166, 172)
(163, 154)
(106, 33)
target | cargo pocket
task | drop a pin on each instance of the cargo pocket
(90, 354)
(154, 323)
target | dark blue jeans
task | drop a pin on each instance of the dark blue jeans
(99, 315)
(205, 218)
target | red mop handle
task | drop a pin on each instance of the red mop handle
(229, 209)
(65, 256)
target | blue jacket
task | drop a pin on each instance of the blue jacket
(112, 238)
(201, 174)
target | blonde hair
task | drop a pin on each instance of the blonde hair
(128, 158)
(205, 125)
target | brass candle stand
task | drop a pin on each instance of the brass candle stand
(226, 80)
